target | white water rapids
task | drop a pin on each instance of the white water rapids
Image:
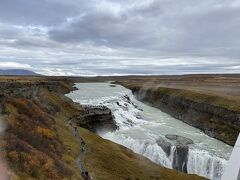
(141, 125)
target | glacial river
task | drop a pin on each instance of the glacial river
(140, 125)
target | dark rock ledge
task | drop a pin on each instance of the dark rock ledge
(180, 154)
(96, 119)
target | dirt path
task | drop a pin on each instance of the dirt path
(83, 151)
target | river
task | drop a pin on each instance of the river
(140, 126)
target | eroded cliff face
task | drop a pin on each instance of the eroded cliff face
(96, 119)
(219, 121)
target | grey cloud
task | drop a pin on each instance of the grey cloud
(121, 37)
(140, 69)
(169, 28)
(101, 29)
(39, 12)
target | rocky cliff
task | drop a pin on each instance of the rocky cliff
(217, 116)
(96, 119)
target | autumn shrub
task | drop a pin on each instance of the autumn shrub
(45, 132)
(31, 142)
(25, 158)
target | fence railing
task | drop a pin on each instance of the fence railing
(232, 171)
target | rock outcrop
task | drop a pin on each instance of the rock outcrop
(165, 145)
(96, 119)
(180, 150)
(180, 156)
(179, 140)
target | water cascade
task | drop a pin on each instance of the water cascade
(154, 134)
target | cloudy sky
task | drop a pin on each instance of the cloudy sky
(111, 37)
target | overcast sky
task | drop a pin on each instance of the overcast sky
(111, 37)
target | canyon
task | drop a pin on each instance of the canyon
(38, 142)
(35, 109)
(146, 130)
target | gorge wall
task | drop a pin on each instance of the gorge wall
(96, 119)
(215, 116)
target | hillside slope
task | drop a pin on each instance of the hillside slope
(17, 72)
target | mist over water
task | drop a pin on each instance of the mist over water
(140, 126)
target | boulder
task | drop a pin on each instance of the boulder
(180, 156)
(165, 145)
(97, 118)
(179, 139)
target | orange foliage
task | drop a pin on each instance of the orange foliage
(45, 132)
(31, 143)
(14, 156)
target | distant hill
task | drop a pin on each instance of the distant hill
(17, 72)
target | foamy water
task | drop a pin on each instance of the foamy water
(141, 125)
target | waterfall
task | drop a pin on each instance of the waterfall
(205, 164)
(199, 162)
(146, 148)
(140, 134)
